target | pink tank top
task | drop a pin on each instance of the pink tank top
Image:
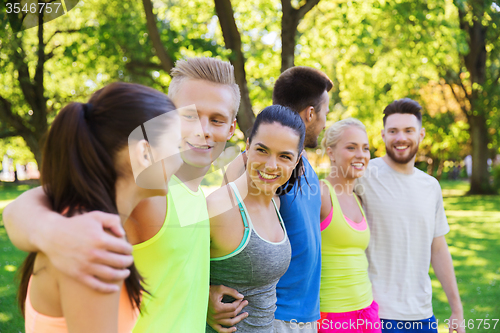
(36, 322)
(356, 226)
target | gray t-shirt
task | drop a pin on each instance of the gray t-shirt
(405, 213)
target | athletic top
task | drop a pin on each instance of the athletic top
(345, 285)
(175, 264)
(36, 322)
(405, 213)
(253, 269)
(298, 289)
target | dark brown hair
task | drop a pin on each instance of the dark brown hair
(300, 87)
(405, 106)
(79, 167)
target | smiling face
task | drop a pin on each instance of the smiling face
(402, 135)
(168, 144)
(205, 129)
(272, 156)
(351, 154)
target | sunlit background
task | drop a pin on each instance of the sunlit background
(445, 54)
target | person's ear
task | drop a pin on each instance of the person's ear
(231, 130)
(422, 133)
(142, 154)
(329, 152)
(308, 115)
(139, 157)
(247, 145)
(382, 132)
(147, 173)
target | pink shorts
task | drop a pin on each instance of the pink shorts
(360, 321)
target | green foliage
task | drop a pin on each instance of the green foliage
(15, 148)
(378, 51)
(446, 138)
(119, 40)
(375, 51)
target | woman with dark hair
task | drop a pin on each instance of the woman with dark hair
(249, 246)
(95, 156)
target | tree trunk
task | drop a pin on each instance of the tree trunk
(245, 116)
(35, 144)
(475, 62)
(479, 182)
(289, 23)
(439, 172)
(232, 41)
(167, 63)
(32, 128)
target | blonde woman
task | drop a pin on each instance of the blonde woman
(346, 300)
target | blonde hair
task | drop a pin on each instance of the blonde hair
(334, 132)
(207, 69)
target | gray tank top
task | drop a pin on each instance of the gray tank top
(253, 269)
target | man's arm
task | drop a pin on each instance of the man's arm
(443, 268)
(235, 169)
(225, 314)
(80, 246)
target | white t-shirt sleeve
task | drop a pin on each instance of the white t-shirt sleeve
(441, 227)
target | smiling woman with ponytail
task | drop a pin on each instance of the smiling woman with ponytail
(89, 163)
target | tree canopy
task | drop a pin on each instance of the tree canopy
(443, 53)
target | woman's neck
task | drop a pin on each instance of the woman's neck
(127, 197)
(191, 176)
(250, 193)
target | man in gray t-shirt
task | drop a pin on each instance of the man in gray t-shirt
(404, 208)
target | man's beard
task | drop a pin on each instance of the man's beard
(311, 140)
(402, 160)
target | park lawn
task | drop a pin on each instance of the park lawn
(10, 260)
(474, 242)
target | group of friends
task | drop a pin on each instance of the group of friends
(122, 238)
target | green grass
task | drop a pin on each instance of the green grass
(474, 242)
(10, 260)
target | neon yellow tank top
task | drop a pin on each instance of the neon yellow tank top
(345, 285)
(175, 264)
